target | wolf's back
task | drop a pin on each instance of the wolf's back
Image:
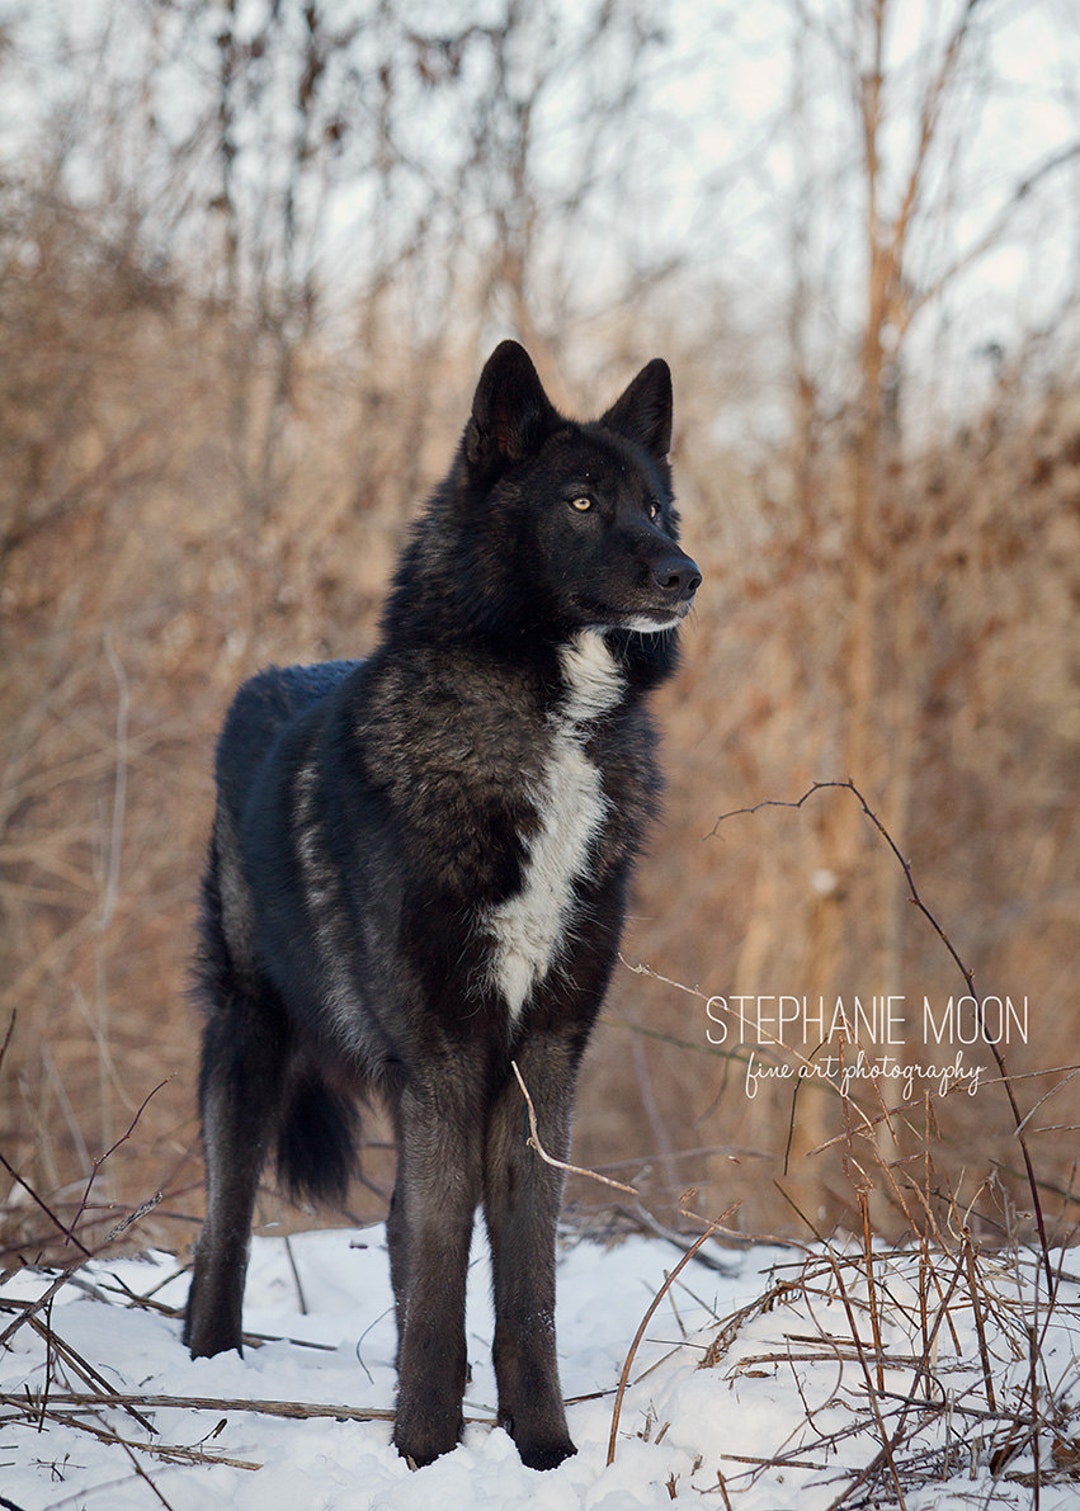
(266, 705)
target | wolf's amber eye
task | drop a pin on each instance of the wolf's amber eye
(654, 509)
(581, 504)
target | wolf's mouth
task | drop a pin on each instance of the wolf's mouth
(652, 621)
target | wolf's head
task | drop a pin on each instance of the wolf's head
(594, 524)
(546, 527)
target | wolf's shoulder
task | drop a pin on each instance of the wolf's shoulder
(290, 689)
(266, 705)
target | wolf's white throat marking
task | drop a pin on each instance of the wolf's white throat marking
(646, 626)
(528, 928)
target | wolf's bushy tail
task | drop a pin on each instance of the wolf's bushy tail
(247, 1042)
(316, 1142)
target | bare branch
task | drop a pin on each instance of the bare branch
(534, 1143)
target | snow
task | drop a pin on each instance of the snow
(786, 1384)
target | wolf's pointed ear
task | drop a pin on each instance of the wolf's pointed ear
(643, 412)
(510, 411)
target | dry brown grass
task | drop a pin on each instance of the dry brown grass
(153, 556)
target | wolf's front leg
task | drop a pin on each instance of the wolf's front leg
(438, 1188)
(522, 1197)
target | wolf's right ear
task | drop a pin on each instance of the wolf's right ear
(510, 411)
(643, 412)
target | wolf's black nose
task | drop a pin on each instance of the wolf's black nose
(678, 575)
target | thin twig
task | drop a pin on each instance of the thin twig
(82, 1367)
(31, 1308)
(49, 1213)
(301, 1298)
(661, 1293)
(549, 1159)
(161, 1450)
(7, 1036)
(293, 1410)
(988, 1379)
(100, 1160)
(871, 1288)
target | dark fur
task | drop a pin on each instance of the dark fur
(419, 871)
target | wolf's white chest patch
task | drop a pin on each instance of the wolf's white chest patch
(528, 928)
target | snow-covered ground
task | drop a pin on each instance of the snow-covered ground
(783, 1415)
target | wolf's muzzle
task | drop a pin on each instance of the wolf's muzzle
(677, 576)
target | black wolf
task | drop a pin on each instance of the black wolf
(418, 874)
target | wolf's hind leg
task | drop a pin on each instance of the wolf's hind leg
(240, 1095)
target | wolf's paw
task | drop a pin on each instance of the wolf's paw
(422, 1440)
(545, 1453)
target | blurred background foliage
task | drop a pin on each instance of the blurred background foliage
(252, 255)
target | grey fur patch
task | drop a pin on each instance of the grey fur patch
(237, 906)
(330, 929)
